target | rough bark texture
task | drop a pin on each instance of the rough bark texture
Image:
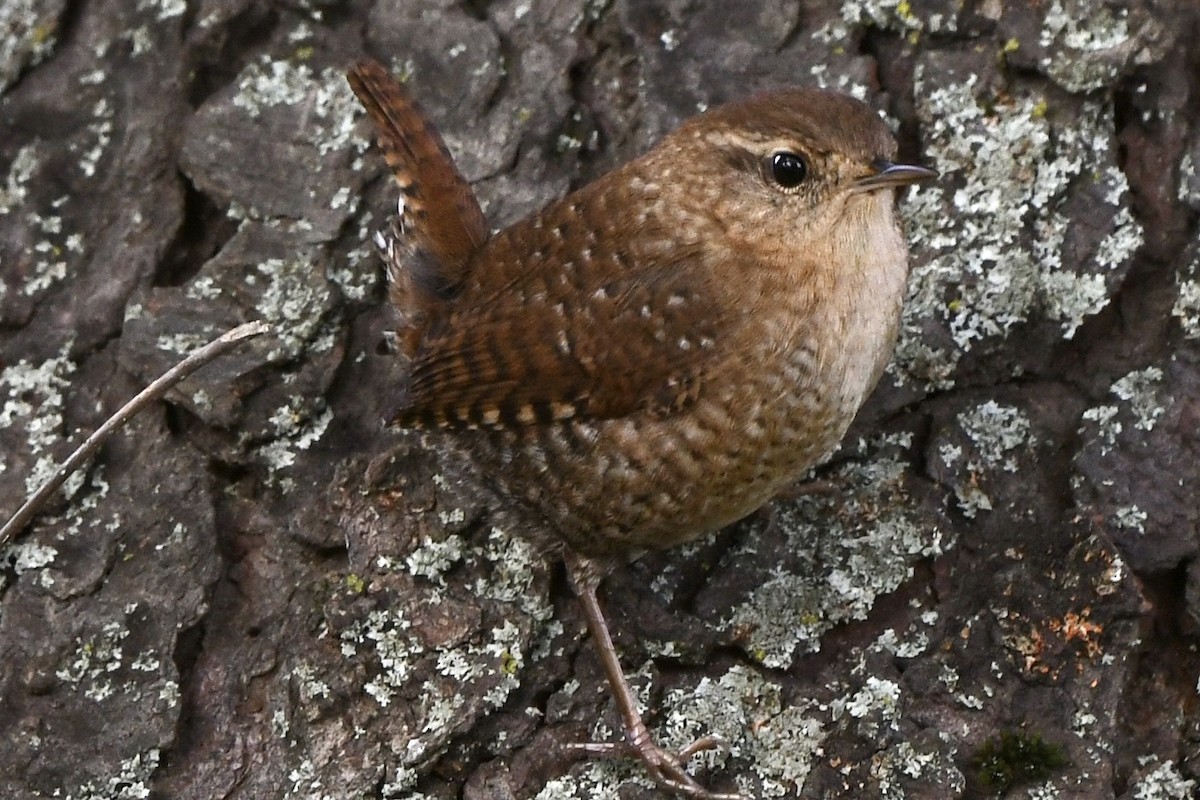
(257, 591)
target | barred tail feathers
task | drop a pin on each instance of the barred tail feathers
(440, 224)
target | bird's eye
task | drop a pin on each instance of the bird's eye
(788, 169)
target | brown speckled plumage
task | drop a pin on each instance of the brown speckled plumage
(657, 354)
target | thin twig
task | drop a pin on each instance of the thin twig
(227, 341)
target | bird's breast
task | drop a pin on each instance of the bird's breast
(779, 397)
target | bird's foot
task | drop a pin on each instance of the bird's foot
(666, 768)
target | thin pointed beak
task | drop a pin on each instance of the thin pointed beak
(891, 176)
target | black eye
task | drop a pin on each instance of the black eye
(788, 169)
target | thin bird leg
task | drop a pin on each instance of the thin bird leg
(666, 768)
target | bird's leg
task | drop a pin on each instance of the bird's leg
(665, 767)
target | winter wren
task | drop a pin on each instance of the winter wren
(655, 355)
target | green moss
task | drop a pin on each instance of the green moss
(1015, 758)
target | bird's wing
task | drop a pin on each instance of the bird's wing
(593, 330)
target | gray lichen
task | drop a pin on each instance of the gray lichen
(56, 250)
(990, 235)
(1090, 43)
(1140, 390)
(33, 402)
(1107, 425)
(1187, 303)
(779, 741)
(101, 664)
(30, 34)
(433, 557)
(782, 743)
(323, 93)
(902, 762)
(857, 547)
(996, 437)
(1189, 179)
(100, 131)
(746, 710)
(293, 304)
(1187, 308)
(17, 182)
(461, 670)
(1164, 782)
(296, 432)
(996, 431)
(132, 781)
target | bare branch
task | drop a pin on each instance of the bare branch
(222, 344)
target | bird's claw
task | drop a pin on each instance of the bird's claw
(666, 768)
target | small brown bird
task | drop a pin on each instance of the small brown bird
(655, 355)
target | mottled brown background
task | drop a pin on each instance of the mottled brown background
(255, 591)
